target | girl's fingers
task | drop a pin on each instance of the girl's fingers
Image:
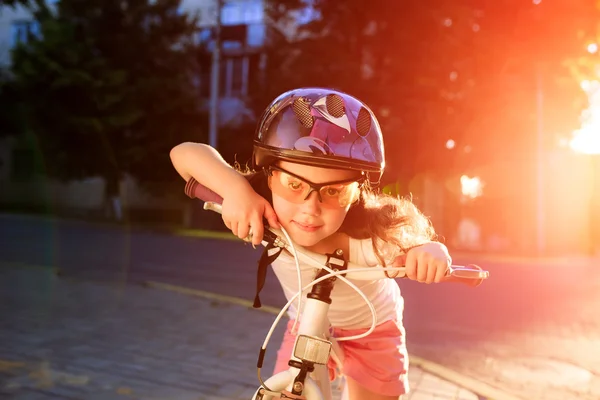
(431, 271)
(441, 270)
(271, 216)
(258, 230)
(243, 229)
(411, 265)
(422, 267)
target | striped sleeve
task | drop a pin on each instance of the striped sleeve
(190, 188)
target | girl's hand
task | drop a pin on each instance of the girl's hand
(426, 263)
(244, 209)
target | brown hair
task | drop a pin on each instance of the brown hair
(377, 216)
(388, 219)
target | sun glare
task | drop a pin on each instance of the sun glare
(587, 138)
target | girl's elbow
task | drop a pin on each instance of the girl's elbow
(176, 150)
(179, 152)
(178, 159)
(180, 147)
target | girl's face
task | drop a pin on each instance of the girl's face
(309, 220)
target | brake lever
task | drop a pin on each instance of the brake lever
(471, 271)
(218, 208)
(212, 206)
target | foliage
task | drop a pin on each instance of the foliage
(108, 87)
(438, 70)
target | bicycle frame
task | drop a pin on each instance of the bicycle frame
(308, 375)
(311, 344)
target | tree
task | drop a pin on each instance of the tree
(10, 121)
(108, 88)
(396, 59)
(437, 70)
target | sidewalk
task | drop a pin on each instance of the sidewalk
(64, 339)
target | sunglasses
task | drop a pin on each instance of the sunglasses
(295, 189)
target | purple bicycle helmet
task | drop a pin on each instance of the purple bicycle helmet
(320, 127)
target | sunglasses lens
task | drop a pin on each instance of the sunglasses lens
(340, 195)
(290, 188)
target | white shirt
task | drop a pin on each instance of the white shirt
(348, 309)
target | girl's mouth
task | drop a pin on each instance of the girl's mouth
(307, 228)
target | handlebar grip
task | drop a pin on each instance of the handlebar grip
(196, 190)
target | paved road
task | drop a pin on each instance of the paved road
(532, 329)
(87, 340)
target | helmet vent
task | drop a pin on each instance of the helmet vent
(302, 111)
(335, 105)
(363, 122)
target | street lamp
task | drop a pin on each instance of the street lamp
(213, 128)
(471, 187)
(586, 140)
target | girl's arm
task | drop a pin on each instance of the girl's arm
(243, 208)
(206, 165)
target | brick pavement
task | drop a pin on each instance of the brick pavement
(65, 339)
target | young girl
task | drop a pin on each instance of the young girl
(317, 153)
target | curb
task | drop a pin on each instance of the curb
(48, 268)
(210, 296)
(202, 234)
(482, 390)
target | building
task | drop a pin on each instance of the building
(243, 34)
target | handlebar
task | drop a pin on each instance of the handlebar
(471, 275)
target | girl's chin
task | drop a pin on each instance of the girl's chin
(304, 239)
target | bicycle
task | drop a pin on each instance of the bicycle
(308, 377)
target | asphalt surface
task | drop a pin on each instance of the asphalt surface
(532, 329)
(65, 339)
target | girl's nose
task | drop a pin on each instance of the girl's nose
(312, 205)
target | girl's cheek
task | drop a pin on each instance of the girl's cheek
(280, 211)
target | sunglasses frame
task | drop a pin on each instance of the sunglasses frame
(314, 187)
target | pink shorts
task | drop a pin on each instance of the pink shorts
(379, 362)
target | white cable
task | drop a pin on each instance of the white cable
(318, 265)
(218, 208)
(331, 274)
